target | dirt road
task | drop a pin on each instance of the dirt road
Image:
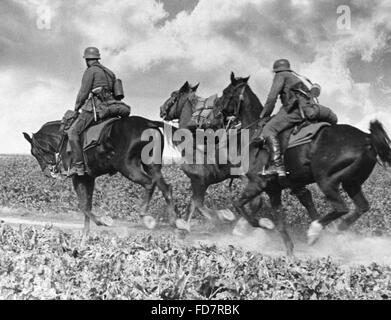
(348, 248)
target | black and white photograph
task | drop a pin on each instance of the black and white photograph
(212, 152)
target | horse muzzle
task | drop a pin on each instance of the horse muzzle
(51, 171)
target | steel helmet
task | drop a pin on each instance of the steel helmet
(281, 65)
(91, 53)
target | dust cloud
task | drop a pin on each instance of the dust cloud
(346, 248)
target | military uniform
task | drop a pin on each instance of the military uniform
(297, 105)
(96, 76)
(285, 118)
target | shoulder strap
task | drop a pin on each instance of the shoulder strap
(304, 80)
(105, 70)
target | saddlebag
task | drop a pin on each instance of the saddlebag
(68, 119)
(113, 108)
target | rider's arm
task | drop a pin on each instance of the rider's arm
(278, 85)
(86, 87)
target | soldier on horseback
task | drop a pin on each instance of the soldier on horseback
(95, 95)
(297, 105)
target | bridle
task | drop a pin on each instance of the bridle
(42, 152)
(242, 86)
(237, 108)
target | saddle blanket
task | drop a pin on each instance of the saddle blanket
(93, 135)
(306, 134)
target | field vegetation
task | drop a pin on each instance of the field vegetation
(48, 263)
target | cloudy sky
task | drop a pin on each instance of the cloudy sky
(155, 46)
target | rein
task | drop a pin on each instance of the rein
(239, 105)
(43, 151)
(241, 98)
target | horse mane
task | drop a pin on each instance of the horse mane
(47, 137)
(255, 103)
(49, 124)
(46, 126)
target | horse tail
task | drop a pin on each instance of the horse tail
(158, 124)
(381, 141)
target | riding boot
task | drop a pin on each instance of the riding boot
(258, 141)
(77, 156)
(277, 164)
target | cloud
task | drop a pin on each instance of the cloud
(155, 47)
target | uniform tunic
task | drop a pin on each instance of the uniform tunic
(94, 77)
(282, 83)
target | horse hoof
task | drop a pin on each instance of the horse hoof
(226, 214)
(266, 224)
(182, 225)
(104, 222)
(314, 232)
(149, 222)
(241, 228)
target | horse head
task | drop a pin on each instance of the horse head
(172, 108)
(43, 149)
(239, 101)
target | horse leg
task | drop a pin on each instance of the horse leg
(149, 191)
(197, 202)
(197, 199)
(279, 219)
(331, 190)
(134, 172)
(166, 189)
(352, 184)
(305, 197)
(360, 202)
(84, 187)
(252, 191)
(256, 205)
(250, 194)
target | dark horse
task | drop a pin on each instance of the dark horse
(339, 154)
(120, 151)
(179, 106)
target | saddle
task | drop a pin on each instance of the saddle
(301, 135)
(203, 111)
(297, 136)
(95, 134)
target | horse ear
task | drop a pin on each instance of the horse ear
(27, 137)
(233, 79)
(195, 87)
(185, 87)
(246, 79)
